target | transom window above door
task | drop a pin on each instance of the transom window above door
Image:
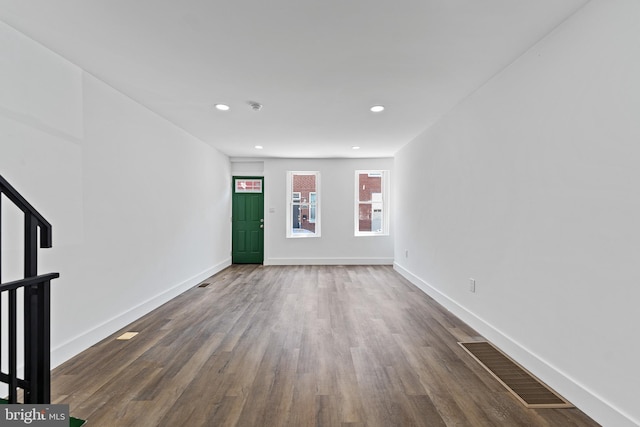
(248, 186)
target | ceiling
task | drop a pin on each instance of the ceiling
(316, 66)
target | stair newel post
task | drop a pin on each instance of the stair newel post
(44, 351)
(39, 378)
(40, 384)
(30, 307)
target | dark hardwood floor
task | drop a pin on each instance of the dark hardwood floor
(294, 346)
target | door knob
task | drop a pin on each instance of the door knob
(261, 225)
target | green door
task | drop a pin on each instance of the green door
(247, 221)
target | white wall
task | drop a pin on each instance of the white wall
(247, 167)
(337, 243)
(140, 209)
(531, 188)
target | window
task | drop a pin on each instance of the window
(248, 185)
(312, 206)
(371, 203)
(303, 204)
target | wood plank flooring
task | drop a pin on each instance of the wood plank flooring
(294, 346)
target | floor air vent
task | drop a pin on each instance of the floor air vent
(203, 285)
(524, 386)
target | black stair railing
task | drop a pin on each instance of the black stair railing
(34, 300)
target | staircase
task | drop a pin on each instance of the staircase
(29, 298)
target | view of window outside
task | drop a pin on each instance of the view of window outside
(304, 204)
(370, 206)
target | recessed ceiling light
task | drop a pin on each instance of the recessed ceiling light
(377, 108)
(258, 147)
(222, 107)
(355, 147)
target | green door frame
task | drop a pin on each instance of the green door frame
(247, 224)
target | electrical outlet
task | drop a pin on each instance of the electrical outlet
(406, 253)
(472, 285)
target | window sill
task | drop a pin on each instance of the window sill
(302, 235)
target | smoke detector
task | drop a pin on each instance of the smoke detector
(255, 106)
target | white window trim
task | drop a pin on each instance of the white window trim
(290, 203)
(385, 204)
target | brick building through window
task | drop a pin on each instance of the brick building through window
(304, 200)
(370, 202)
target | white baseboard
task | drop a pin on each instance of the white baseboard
(587, 401)
(328, 261)
(81, 342)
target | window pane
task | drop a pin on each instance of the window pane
(303, 211)
(303, 215)
(371, 210)
(300, 219)
(370, 217)
(364, 217)
(304, 184)
(312, 207)
(248, 186)
(369, 183)
(376, 218)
